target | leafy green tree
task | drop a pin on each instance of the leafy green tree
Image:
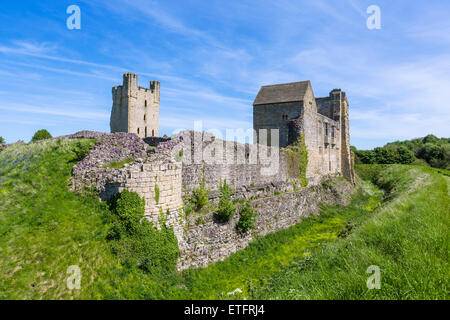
(2, 141)
(430, 151)
(366, 156)
(385, 155)
(431, 139)
(41, 135)
(405, 156)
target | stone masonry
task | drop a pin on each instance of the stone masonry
(135, 109)
(292, 109)
(165, 171)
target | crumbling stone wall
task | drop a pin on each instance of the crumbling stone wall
(209, 241)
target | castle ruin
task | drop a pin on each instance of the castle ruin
(293, 110)
(135, 109)
(167, 171)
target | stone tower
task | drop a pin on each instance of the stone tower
(292, 110)
(135, 109)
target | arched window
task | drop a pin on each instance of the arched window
(145, 131)
(138, 130)
(145, 103)
(145, 117)
(153, 133)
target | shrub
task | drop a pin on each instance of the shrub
(2, 141)
(81, 150)
(129, 208)
(247, 216)
(136, 241)
(200, 197)
(41, 135)
(226, 208)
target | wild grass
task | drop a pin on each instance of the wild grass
(407, 238)
(118, 164)
(45, 228)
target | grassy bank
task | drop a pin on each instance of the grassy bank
(45, 228)
(407, 238)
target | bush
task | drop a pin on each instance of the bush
(247, 217)
(226, 208)
(136, 241)
(81, 150)
(200, 197)
(2, 141)
(41, 135)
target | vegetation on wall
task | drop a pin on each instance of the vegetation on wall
(41, 135)
(135, 240)
(298, 160)
(118, 164)
(199, 197)
(227, 208)
(247, 216)
(157, 193)
(428, 151)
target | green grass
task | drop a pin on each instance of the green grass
(45, 228)
(407, 238)
(118, 164)
(253, 266)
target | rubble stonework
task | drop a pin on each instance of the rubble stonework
(209, 241)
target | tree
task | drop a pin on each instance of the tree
(41, 135)
(385, 155)
(2, 141)
(366, 156)
(405, 155)
(430, 151)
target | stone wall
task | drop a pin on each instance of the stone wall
(158, 184)
(208, 241)
(244, 167)
(276, 117)
(174, 168)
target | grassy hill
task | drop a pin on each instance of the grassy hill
(398, 220)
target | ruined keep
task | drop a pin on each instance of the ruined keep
(293, 110)
(167, 171)
(135, 109)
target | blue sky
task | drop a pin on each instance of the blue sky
(212, 56)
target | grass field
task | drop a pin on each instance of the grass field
(398, 220)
